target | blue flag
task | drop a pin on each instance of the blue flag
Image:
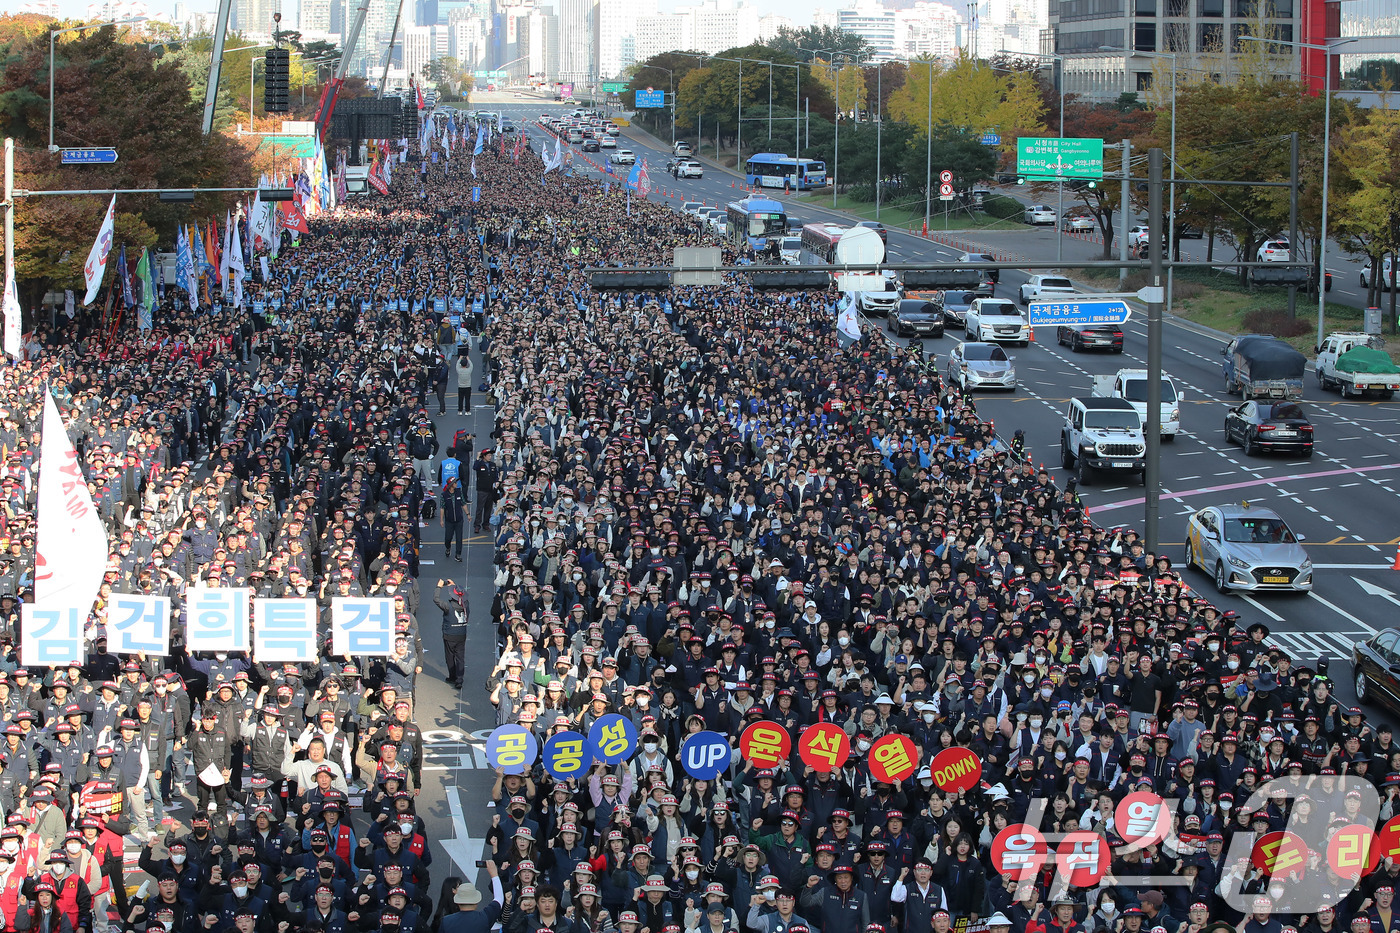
(124, 275)
(480, 140)
(201, 261)
(634, 177)
(184, 268)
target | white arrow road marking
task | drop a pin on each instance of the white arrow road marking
(462, 849)
(1372, 590)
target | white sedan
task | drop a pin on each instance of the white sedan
(624, 157)
(607, 142)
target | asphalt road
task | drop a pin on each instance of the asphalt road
(1343, 501)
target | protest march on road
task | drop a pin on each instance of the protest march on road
(787, 640)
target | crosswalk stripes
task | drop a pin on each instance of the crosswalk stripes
(1306, 646)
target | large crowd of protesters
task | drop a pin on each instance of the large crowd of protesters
(706, 511)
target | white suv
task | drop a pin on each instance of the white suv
(1386, 267)
(690, 169)
(624, 157)
(1272, 251)
(1040, 214)
(996, 320)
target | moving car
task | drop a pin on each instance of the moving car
(590, 145)
(1102, 434)
(1375, 669)
(975, 365)
(1039, 214)
(682, 149)
(1090, 337)
(993, 274)
(880, 303)
(1262, 366)
(1247, 547)
(1268, 427)
(692, 207)
(1079, 223)
(1356, 364)
(790, 248)
(607, 142)
(996, 319)
(624, 157)
(1272, 251)
(1387, 271)
(1046, 288)
(955, 305)
(878, 228)
(1131, 385)
(917, 316)
(689, 168)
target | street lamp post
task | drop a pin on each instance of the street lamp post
(57, 32)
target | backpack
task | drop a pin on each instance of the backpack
(429, 510)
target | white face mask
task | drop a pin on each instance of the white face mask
(863, 745)
(733, 576)
(1213, 646)
(240, 890)
(643, 700)
(928, 717)
(843, 641)
(1036, 723)
(769, 896)
(692, 873)
(1046, 691)
(1028, 678)
(649, 746)
(177, 858)
(58, 869)
(1233, 665)
(1060, 755)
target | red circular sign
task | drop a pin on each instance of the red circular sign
(1280, 853)
(1019, 851)
(766, 744)
(1082, 858)
(893, 758)
(1142, 818)
(1388, 839)
(824, 747)
(955, 769)
(1353, 851)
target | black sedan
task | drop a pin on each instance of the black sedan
(917, 316)
(878, 228)
(591, 145)
(993, 274)
(1375, 665)
(1270, 426)
(955, 305)
(1090, 337)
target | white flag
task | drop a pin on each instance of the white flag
(96, 264)
(68, 307)
(847, 325)
(72, 543)
(12, 312)
(224, 258)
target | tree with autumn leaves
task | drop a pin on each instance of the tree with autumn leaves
(107, 93)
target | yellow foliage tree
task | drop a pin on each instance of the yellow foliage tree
(970, 94)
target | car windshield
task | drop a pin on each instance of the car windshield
(1102, 418)
(792, 243)
(917, 307)
(985, 352)
(1258, 531)
(1282, 412)
(1000, 309)
(1056, 283)
(1135, 390)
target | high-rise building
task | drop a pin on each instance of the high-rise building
(873, 22)
(1203, 34)
(928, 28)
(253, 18)
(1014, 25)
(578, 41)
(664, 32)
(617, 33)
(314, 16)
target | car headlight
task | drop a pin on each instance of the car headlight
(1306, 565)
(1176, 414)
(1091, 448)
(1236, 562)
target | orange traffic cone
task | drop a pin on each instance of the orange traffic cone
(1396, 565)
(925, 233)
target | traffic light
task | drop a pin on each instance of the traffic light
(276, 81)
(788, 281)
(629, 281)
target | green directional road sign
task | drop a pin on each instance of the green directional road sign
(1052, 157)
(614, 87)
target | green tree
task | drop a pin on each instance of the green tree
(1366, 191)
(116, 94)
(972, 96)
(952, 148)
(1111, 124)
(799, 44)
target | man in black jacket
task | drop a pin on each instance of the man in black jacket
(456, 613)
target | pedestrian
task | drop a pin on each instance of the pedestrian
(456, 612)
(487, 488)
(440, 373)
(465, 373)
(452, 517)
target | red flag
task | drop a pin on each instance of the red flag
(376, 178)
(420, 96)
(294, 219)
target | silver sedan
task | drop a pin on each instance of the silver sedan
(1248, 548)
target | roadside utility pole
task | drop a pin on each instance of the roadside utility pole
(1155, 295)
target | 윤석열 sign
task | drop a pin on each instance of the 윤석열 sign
(1052, 157)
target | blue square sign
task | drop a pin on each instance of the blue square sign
(650, 98)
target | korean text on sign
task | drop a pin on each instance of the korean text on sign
(362, 626)
(138, 624)
(284, 630)
(217, 619)
(51, 637)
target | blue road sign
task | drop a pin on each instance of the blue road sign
(1050, 313)
(991, 139)
(87, 156)
(651, 98)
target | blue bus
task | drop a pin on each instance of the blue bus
(779, 170)
(754, 220)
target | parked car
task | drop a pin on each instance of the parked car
(1269, 427)
(1090, 337)
(1387, 270)
(692, 207)
(1039, 214)
(917, 316)
(1247, 547)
